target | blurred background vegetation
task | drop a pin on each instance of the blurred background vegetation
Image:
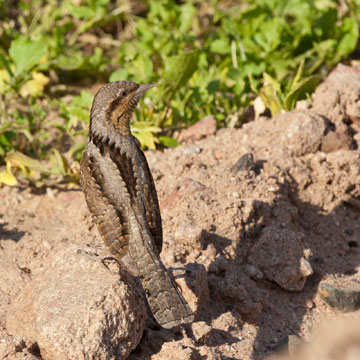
(209, 57)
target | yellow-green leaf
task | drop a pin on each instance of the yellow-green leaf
(7, 178)
(34, 86)
(20, 160)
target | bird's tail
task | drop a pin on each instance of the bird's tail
(165, 300)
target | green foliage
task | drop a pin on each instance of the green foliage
(206, 57)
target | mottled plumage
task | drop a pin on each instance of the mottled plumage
(122, 199)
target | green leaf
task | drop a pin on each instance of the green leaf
(180, 68)
(70, 61)
(188, 11)
(147, 139)
(5, 63)
(300, 90)
(58, 163)
(350, 33)
(168, 141)
(80, 11)
(23, 161)
(84, 100)
(25, 53)
(120, 74)
(220, 46)
(271, 94)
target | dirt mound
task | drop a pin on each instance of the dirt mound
(254, 219)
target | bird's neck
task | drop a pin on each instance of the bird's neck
(111, 128)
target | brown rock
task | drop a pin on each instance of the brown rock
(334, 141)
(280, 255)
(77, 308)
(304, 132)
(344, 295)
(203, 128)
(200, 330)
(338, 97)
(190, 235)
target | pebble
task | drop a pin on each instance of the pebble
(345, 297)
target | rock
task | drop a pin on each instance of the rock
(281, 256)
(193, 284)
(344, 296)
(78, 308)
(200, 331)
(334, 141)
(192, 150)
(203, 128)
(245, 163)
(190, 235)
(338, 97)
(304, 132)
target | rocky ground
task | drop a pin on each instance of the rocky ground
(262, 233)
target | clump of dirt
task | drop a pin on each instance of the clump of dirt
(254, 218)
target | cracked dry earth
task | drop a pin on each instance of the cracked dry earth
(254, 220)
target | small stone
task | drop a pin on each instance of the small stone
(253, 272)
(309, 304)
(190, 235)
(192, 149)
(334, 141)
(344, 296)
(304, 132)
(282, 257)
(245, 163)
(200, 330)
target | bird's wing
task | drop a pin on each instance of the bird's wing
(111, 220)
(141, 188)
(152, 209)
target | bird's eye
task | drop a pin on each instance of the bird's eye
(123, 93)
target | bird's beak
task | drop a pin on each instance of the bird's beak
(142, 89)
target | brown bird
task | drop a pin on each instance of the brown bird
(121, 196)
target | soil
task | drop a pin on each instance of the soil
(254, 218)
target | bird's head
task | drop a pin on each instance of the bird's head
(113, 107)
